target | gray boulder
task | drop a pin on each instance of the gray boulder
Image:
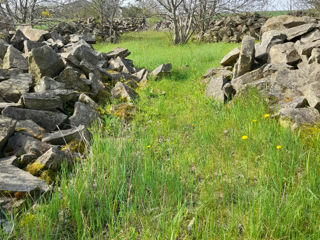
(140, 74)
(36, 35)
(87, 37)
(13, 179)
(14, 59)
(52, 159)
(20, 144)
(311, 92)
(231, 58)
(63, 137)
(123, 92)
(18, 39)
(46, 119)
(47, 84)
(240, 83)
(7, 126)
(42, 101)
(81, 51)
(118, 52)
(87, 100)
(300, 116)
(11, 90)
(161, 70)
(276, 23)
(84, 115)
(268, 40)
(298, 31)
(305, 48)
(284, 53)
(215, 88)
(121, 65)
(44, 61)
(296, 102)
(29, 45)
(71, 79)
(30, 128)
(246, 57)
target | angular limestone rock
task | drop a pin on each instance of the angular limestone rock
(231, 58)
(46, 119)
(161, 70)
(300, 116)
(29, 127)
(14, 59)
(268, 40)
(63, 137)
(20, 144)
(123, 92)
(298, 31)
(284, 53)
(246, 57)
(13, 179)
(11, 89)
(118, 52)
(7, 126)
(47, 84)
(71, 79)
(36, 35)
(51, 159)
(84, 115)
(215, 88)
(44, 61)
(42, 101)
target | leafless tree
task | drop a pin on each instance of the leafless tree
(208, 9)
(187, 16)
(106, 11)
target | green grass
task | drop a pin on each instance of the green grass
(183, 158)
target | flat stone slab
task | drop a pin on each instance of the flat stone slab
(14, 179)
(46, 119)
(12, 88)
(231, 58)
(299, 30)
(42, 101)
(29, 127)
(162, 69)
(65, 136)
(122, 52)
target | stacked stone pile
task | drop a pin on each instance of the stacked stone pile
(233, 28)
(50, 88)
(91, 27)
(284, 67)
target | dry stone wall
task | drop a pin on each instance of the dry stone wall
(234, 28)
(50, 88)
(284, 66)
(91, 27)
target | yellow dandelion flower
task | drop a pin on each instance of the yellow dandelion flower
(148, 146)
(244, 137)
(207, 114)
(278, 147)
(254, 120)
(266, 115)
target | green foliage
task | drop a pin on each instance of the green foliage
(181, 170)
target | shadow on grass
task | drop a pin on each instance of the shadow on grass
(178, 75)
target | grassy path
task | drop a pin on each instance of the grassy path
(182, 170)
